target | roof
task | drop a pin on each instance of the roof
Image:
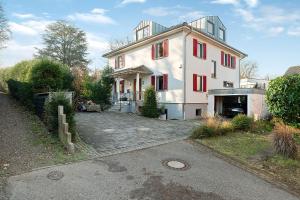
(113, 52)
(293, 70)
(142, 69)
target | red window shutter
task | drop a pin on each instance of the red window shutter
(195, 46)
(234, 62)
(165, 81)
(222, 57)
(228, 60)
(166, 48)
(204, 83)
(153, 81)
(204, 51)
(194, 82)
(153, 52)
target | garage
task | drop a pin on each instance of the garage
(230, 102)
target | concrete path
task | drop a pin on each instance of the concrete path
(111, 132)
(141, 175)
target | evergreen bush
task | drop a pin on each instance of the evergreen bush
(149, 108)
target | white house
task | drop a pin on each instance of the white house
(182, 62)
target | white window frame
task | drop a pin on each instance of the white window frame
(159, 46)
(222, 34)
(200, 83)
(214, 69)
(200, 52)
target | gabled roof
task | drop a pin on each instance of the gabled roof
(116, 51)
(293, 70)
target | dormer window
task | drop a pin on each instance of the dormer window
(210, 27)
(222, 34)
(142, 33)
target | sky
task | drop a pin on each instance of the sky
(267, 30)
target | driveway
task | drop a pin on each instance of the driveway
(110, 132)
(140, 175)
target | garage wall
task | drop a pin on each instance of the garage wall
(257, 107)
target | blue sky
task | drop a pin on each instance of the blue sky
(267, 30)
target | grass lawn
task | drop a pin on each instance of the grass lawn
(255, 150)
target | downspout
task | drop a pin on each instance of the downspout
(184, 72)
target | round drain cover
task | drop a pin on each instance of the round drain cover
(176, 164)
(55, 175)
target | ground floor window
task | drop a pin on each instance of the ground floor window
(159, 83)
(198, 112)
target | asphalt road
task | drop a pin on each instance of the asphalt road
(141, 175)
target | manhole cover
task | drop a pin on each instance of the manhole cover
(55, 175)
(176, 164)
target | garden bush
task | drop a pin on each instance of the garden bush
(283, 98)
(51, 114)
(150, 103)
(241, 122)
(21, 91)
(283, 140)
(262, 126)
(49, 76)
(214, 126)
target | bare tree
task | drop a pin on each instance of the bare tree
(4, 28)
(248, 69)
(117, 43)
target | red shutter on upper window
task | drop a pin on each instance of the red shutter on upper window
(222, 57)
(228, 60)
(204, 51)
(194, 82)
(204, 83)
(234, 62)
(153, 52)
(153, 81)
(166, 48)
(195, 45)
(165, 81)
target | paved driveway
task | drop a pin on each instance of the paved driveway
(108, 131)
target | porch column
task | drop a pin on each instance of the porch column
(137, 86)
(118, 88)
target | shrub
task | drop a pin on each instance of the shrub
(283, 98)
(241, 122)
(150, 104)
(51, 113)
(262, 126)
(212, 127)
(48, 76)
(283, 140)
(21, 91)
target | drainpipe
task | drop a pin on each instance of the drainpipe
(184, 72)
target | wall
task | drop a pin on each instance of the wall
(204, 67)
(257, 107)
(171, 65)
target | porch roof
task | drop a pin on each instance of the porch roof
(142, 69)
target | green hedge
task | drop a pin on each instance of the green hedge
(149, 108)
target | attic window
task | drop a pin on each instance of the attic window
(222, 34)
(210, 28)
(142, 33)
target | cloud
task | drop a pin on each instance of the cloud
(160, 11)
(233, 2)
(252, 3)
(96, 47)
(23, 15)
(124, 2)
(29, 27)
(294, 31)
(190, 16)
(97, 15)
(274, 31)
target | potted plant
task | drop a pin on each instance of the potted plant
(162, 113)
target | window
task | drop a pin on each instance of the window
(142, 33)
(210, 27)
(199, 83)
(222, 34)
(159, 50)
(214, 69)
(227, 84)
(198, 112)
(120, 62)
(159, 83)
(200, 52)
(228, 60)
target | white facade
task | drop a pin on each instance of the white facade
(180, 65)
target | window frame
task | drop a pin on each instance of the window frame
(221, 30)
(213, 27)
(214, 71)
(142, 31)
(200, 52)
(225, 84)
(120, 64)
(158, 79)
(157, 52)
(200, 83)
(198, 114)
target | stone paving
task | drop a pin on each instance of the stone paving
(111, 132)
